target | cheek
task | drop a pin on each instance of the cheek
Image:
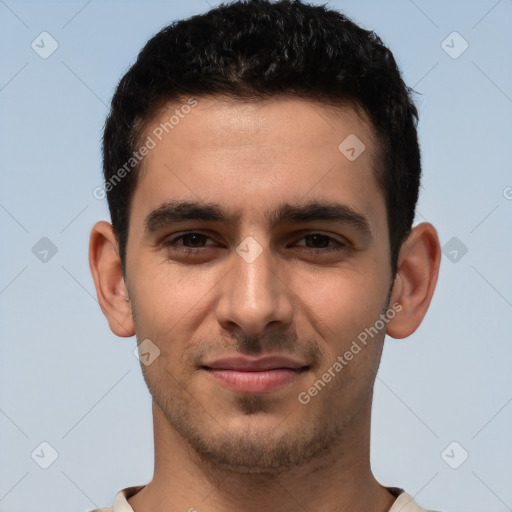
(169, 298)
(344, 300)
(343, 312)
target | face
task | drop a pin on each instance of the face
(257, 256)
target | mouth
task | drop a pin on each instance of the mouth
(255, 375)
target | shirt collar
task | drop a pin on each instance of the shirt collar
(403, 503)
(121, 502)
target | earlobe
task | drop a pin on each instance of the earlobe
(415, 282)
(106, 270)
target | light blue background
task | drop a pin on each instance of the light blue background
(67, 380)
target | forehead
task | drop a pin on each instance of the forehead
(250, 156)
(277, 125)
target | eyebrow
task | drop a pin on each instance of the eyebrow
(313, 211)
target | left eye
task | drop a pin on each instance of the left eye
(320, 241)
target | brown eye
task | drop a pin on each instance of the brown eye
(194, 239)
(188, 242)
(321, 243)
(317, 241)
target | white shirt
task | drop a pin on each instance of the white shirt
(403, 503)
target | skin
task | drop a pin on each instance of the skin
(304, 296)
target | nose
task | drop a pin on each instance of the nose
(254, 295)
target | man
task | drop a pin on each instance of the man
(262, 170)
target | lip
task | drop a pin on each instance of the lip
(255, 375)
(255, 364)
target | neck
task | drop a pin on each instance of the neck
(340, 480)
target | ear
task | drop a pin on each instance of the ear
(415, 281)
(108, 278)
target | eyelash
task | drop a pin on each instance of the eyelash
(172, 243)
